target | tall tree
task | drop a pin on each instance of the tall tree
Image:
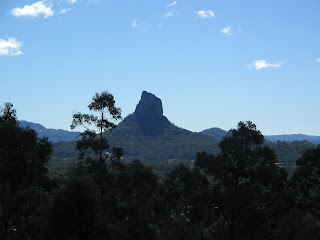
(245, 183)
(94, 144)
(104, 105)
(22, 164)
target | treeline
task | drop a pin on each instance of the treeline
(238, 193)
(163, 158)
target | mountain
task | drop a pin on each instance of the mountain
(54, 135)
(146, 135)
(218, 134)
(149, 136)
(294, 137)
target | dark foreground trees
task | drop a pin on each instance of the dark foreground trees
(248, 190)
(238, 194)
(241, 193)
(306, 184)
(22, 174)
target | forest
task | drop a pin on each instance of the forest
(238, 192)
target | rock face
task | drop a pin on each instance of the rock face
(149, 106)
(149, 115)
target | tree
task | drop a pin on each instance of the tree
(101, 165)
(72, 212)
(93, 145)
(136, 190)
(245, 183)
(306, 180)
(104, 105)
(22, 165)
(185, 198)
(306, 184)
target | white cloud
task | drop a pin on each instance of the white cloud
(259, 64)
(72, 1)
(226, 30)
(134, 23)
(34, 10)
(169, 14)
(64, 10)
(318, 59)
(10, 47)
(206, 14)
(172, 4)
(139, 25)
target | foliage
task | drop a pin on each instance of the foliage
(90, 143)
(245, 183)
(306, 181)
(72, 211)
(162, 151)
(22, 170)
(288, 153)
(238, 192)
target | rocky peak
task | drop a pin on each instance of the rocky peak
(149, 106)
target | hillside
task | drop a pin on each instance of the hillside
(216, 133)
(54, 135)
(288, 152)
(149, 136)
(172, 145)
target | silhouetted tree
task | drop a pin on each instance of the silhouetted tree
(71, 210)
(93, 145)
(245, 184)
(185, 195)
(306, 184)
(104, 105)
(22, 169)
(137, 188)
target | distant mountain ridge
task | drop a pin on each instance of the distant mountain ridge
(54, 135)
(57, 135)
(294, 137)
(149, 136)
(218, 134)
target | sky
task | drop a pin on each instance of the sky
(213, 63)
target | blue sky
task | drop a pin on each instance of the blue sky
(212, 62)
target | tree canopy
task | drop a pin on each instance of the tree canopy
(23, 159)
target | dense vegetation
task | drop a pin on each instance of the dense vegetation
(173, 145)
(237, 192)
(288, 152)
(162, 152)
